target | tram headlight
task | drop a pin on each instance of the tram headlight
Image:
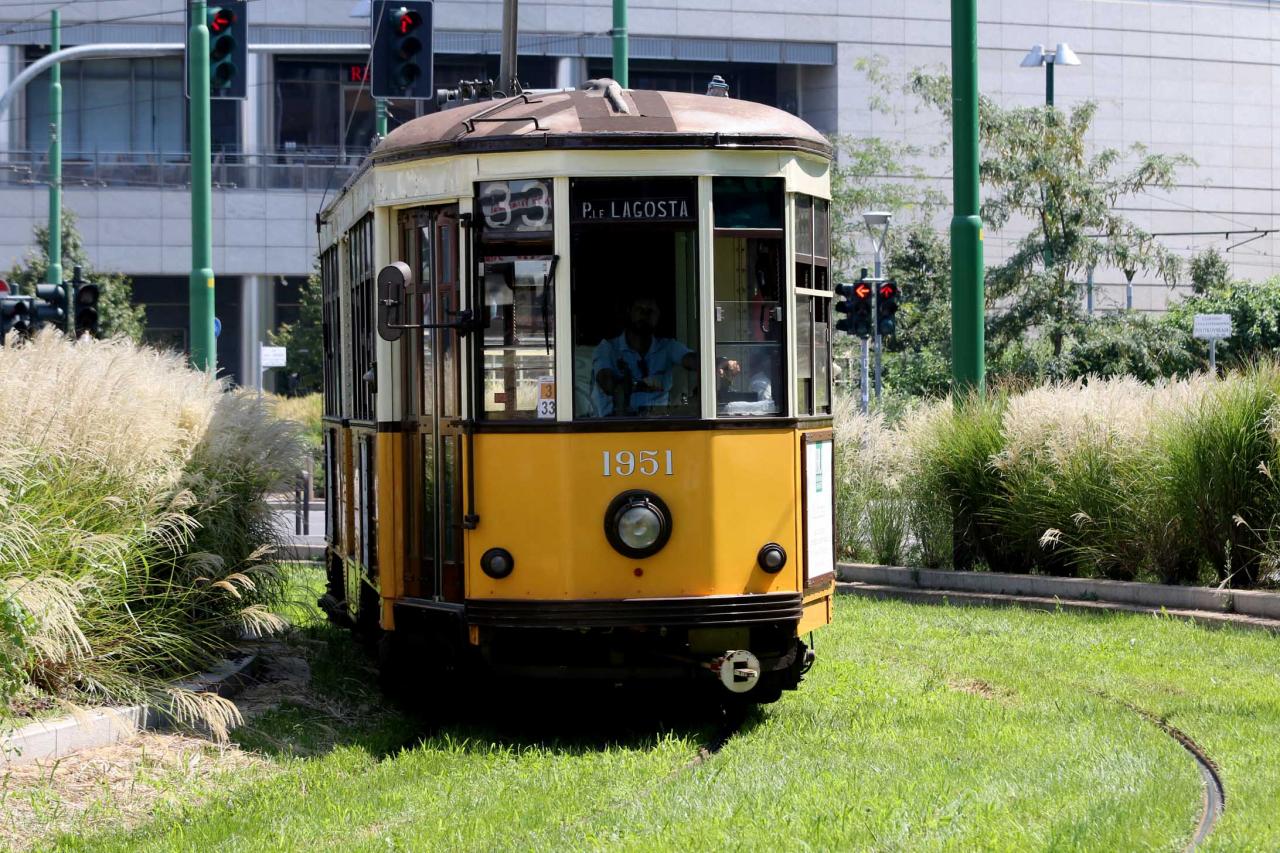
(497, 563)
(637, 523)
(772, 558)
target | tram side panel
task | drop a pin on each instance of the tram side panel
(544, 497)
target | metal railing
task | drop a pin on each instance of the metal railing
(309, 171)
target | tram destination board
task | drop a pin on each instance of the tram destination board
(631, 200)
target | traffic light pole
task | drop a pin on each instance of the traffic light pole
(875, 312)
(53, 275)
(864, 390)
(621, 49)
(968, 299)
(380, 128)
(204, 356)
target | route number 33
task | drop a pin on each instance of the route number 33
(649, 463)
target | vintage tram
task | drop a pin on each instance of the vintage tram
(577, 391)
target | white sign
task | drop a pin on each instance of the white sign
(819, 484)
(1211, 326)
(274, 356)
(547, 398)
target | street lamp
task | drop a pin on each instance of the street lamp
(874, 219)
(1063, 55)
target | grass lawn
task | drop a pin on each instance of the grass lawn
(920, 728)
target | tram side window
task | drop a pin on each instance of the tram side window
(330, 326)
(360, 275)
(813, 306)
(634, 297)
(749, 266)
(516, 266)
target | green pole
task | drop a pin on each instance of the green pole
(54, 273)
(381, 126)
(620, 48)
(1048, 82)
(204, 354)
(968, 300)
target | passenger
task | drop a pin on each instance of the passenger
(633, 372)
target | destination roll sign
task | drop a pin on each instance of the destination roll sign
(655, 201)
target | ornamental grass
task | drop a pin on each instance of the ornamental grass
(135, 541)
(1111, 478)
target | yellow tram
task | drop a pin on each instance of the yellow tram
(577, 390)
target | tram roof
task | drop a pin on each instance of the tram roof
(601, 117)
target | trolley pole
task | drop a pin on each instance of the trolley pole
(621, 49)
(204, 355)
(53, 275)
(968, 299)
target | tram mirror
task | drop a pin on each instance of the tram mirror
(395, 281)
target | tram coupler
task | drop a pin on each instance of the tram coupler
(738, 670)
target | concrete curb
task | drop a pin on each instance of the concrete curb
(1261, 605)
(53, 739)
(1029, 602)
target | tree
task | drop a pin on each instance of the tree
(1036, 167)
(117, 315)
(1209, 270)
(304, 338)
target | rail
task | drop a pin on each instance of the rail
(308, 171)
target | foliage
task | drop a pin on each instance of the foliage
(134, 535)
(304, 339)
(1209, 271)
(1036, 167)
(117, 315)
(1255, 320)
(1170, 481)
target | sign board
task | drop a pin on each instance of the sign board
(819, 508)
(515, 209)
(648, 200)
(1212, 326)
(274, 356)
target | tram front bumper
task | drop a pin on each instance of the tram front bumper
(701, 611)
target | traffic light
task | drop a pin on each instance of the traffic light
(857, 305)
(87, 309)
(15, 316)
(228, 25)
(886, 308)
(51, 304)
(402, 53)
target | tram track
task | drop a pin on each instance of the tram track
(1214, 801)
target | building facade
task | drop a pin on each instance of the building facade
(1196, 77)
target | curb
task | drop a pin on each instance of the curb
(54, 739)
(1049, 605)
(1252, 603)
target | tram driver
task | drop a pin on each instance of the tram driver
(634, 371)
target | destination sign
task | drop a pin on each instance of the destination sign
(634, 210)
(640, 200)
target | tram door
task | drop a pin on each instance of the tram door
(433, 392)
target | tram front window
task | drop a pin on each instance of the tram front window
(634, 296)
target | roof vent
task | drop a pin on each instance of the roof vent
(612, 93)
(717, 88)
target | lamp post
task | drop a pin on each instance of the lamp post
(875, 219)
(1062, 55)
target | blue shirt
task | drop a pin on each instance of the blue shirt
(629, 366)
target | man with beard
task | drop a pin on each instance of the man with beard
(633, 371)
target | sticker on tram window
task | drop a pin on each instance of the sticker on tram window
(547, 397)
(515, 207)
(645, 463)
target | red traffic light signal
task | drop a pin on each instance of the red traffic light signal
(408, 22)
(888, 290)
(221, 20)
(887, 308)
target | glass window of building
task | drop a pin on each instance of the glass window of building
(813, 305)
(115, 108)
(634, 297)
(517, 268)
(749, 276)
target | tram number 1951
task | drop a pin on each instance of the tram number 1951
(624, 463)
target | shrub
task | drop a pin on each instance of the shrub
(1107, 478)
(134, 538)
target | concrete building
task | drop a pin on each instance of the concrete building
(1188, 76)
